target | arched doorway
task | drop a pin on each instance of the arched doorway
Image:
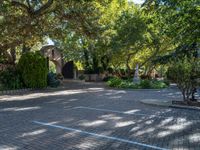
(54, 55)
(68, 70)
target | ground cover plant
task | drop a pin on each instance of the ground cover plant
(129, 84)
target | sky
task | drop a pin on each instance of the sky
(50, 42)
(137, 1)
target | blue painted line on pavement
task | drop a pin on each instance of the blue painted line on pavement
(100, 135)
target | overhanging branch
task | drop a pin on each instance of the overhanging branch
(43, 8)
(29, 9)
(18, 4)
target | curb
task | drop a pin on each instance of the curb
(24, 91)
(17, 91)
(154, 103)
(159, 103)
(185, 107)
(129, 89)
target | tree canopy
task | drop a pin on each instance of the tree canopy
(102, 33)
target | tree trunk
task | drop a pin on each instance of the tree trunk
(105, 62)
(127, 65)
(95, 63)
(184, 96)
(86, 57)
(193, 94)
(13, 55)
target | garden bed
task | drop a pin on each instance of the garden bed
(144, 84)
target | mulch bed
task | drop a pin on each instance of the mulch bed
(190, 103)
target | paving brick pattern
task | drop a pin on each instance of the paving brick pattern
(167, 128)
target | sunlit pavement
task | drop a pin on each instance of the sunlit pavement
(89, 116)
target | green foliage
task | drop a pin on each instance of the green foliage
(114, 82)
(52, 80)
(93, 50)
(103, 33)
(107, 78)
(143, 76)
(145, 84)
(178, 22)
(89, 70)
(52, 67)
(33, 68)
(128, 84)
(28, 22)
(160, 84)
(185, 72)
(167, 82)
(2, 58)
(81, 77)
(10, 79)
(131, 22)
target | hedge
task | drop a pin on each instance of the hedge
(33, 69)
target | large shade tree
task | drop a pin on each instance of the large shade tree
(94, 50)
(180, 22)
(131, 36)
(26, 22)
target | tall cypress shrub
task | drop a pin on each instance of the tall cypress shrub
(33, 69)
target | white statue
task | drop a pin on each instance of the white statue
(136, 78)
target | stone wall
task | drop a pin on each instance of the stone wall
(53, 55)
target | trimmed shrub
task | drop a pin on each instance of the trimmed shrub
(10, 79)
(52, 80)
(159, 84)
(128, 85)
(167, 82)
(185, 73)
(114, 82)
(33, 68)
(145, 84)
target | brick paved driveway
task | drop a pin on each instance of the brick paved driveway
(88, 116)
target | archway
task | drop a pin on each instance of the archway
(52, 66)
(54, 55)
